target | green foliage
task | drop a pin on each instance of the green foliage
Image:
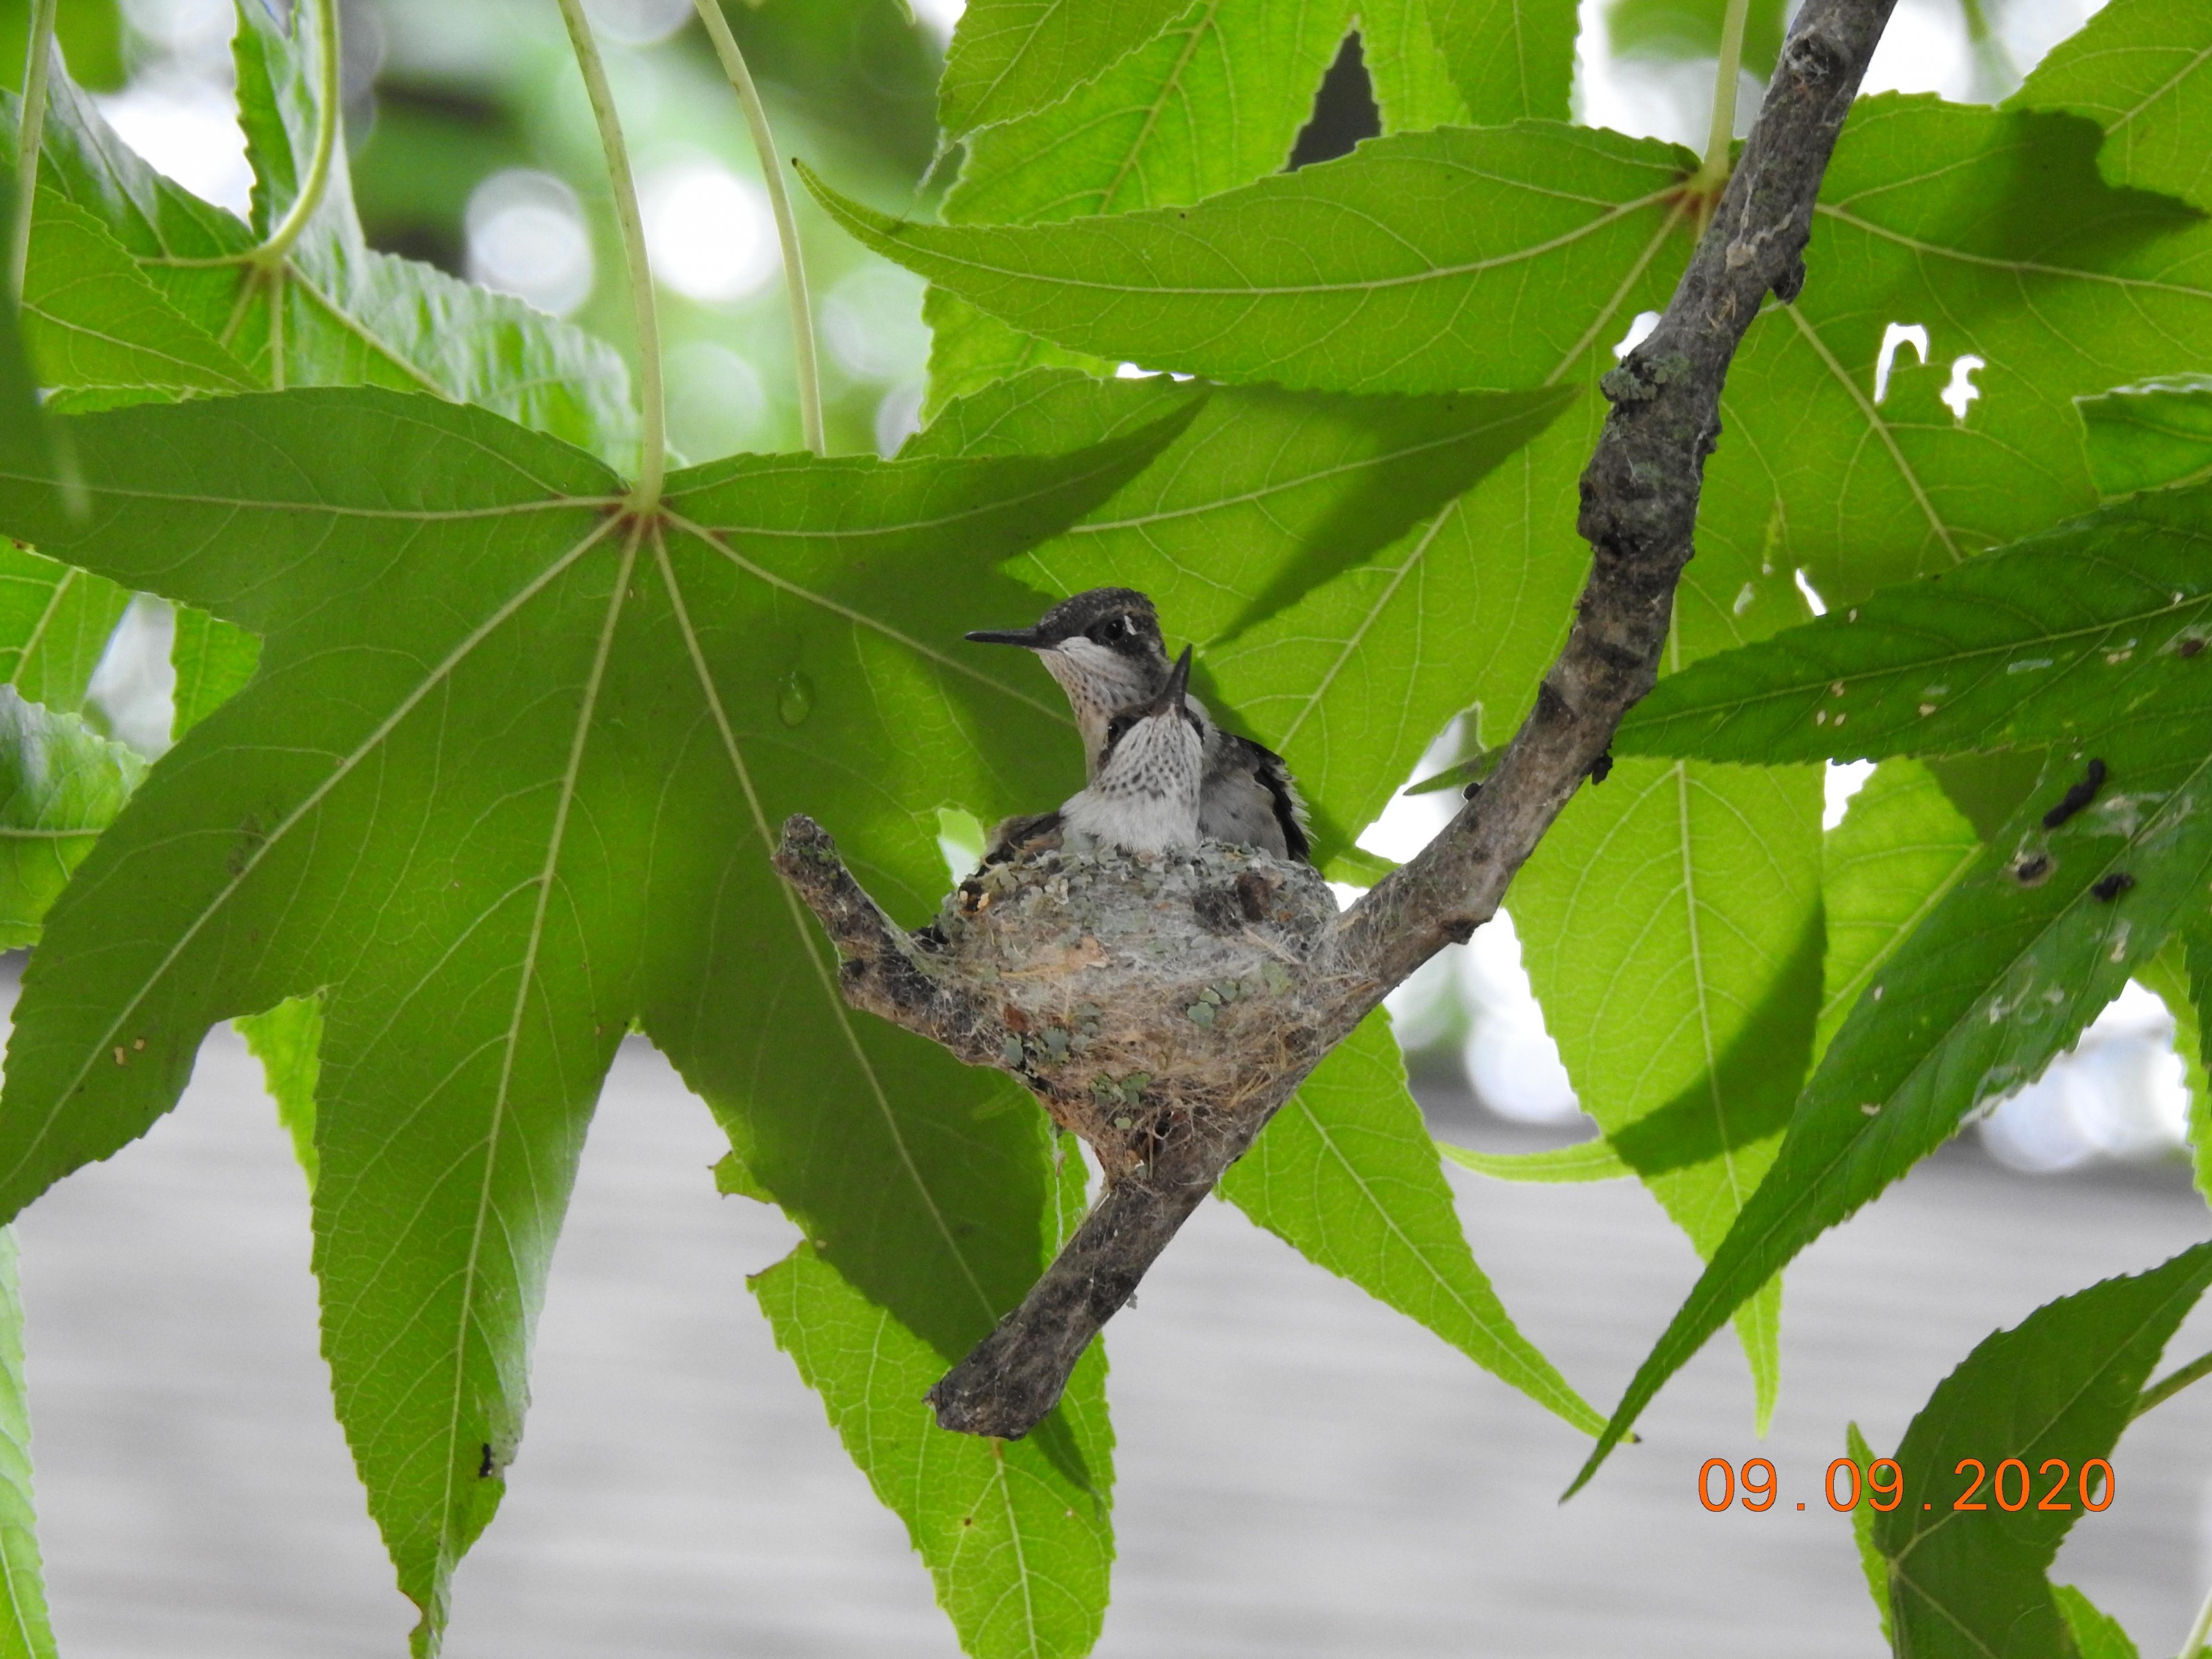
(61, 784)
(1216, 100)
(1676, 912)
(25, 1632)
(2143, 70)
(518, 964)
(1012, 58)
(2142, 437)
(2096, 1635)
(1472, 221)
(1279, 532)
(2063, 1385)
(288, 1041)
(1901, 847)
(474, 771)
(335, 313)
(1666, 29)
(91, 318)
(1346, 1173)
(2096, 628)
(1514, 59)
(1872, 1562)
(1588, 1160)
(89, 31)
(2081, 638)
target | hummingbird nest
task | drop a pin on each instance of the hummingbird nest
(1144, 1001)
(1161, 1007)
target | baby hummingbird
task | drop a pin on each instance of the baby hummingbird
(1144, 797)
(1104, 648)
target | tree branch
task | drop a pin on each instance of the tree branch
(1639, 506)
(1168, 1101)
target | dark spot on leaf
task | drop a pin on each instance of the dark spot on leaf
(2111, 886)
(2190, 647)
(2078, 796)
(489, 1466)
(2033, 870)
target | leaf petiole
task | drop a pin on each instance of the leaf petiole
(652, 452)
(2200, 1633)
(272, 253)
(787, 228)
(2172, 1384)
(36, 68)
(1713, 172)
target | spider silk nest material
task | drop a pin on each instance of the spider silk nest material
(1148, 1001)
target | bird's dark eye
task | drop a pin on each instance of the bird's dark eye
(1118, 728)
(1113, 629)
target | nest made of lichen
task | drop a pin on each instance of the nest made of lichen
(1143, 999)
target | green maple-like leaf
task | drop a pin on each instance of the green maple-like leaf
(349, 315)
(1266, 496)
(2079, 889)
(2060, 1386)
(1872, 1562)
(1414, 82)
(25, 1630)
(1009, 57)
(1499, 257)
(2181, 975)
(2098, 627)
(2149, 437)
(91, 318)
(2143, 70)
(1404, 267)
(1346, 1173)
(1513, 60)
(61, 784)
(1902, 846)
(506, 780)
(55, 623)
(1671, 925)
(1214, 100)
(288, 1041)
(2097, 1634)
(1266, 501)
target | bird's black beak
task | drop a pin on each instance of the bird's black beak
(1171, 694)
(1027, 637)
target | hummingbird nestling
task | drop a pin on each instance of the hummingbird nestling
(1144, 797)
(1104, 648)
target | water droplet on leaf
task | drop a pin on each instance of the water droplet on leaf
(794, 698)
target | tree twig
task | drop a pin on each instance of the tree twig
(1639, 506)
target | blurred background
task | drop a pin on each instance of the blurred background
(1302, 1472)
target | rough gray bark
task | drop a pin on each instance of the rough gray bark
(1193, 1098)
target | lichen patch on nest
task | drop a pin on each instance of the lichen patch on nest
(1143, 999)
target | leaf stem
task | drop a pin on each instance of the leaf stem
(652, 455)
(787, 228)
(28, 138)
(2172, 1384)
(2200, 1633)
(1713, 172)
(278, 248)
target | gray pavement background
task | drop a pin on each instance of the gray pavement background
(1302, 1473)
